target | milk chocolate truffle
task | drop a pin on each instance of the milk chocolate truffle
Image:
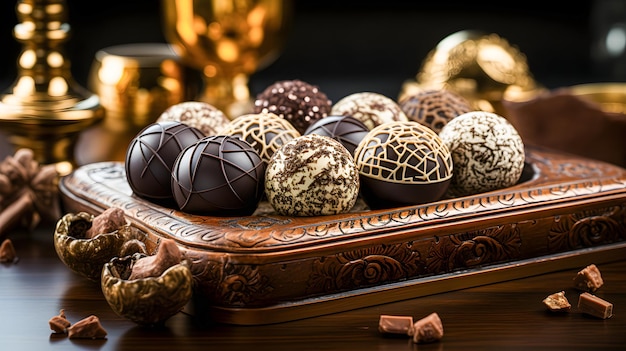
(207, 118)
(151, 154)
(266, 132)
(434, 108)
(487, 152)
(312, 175)
(347, 130)
(373, 109)
(401, 164)
(298, 102)
(220, 175)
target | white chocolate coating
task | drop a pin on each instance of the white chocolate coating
(312, 175)
(201, 115)
(487, 152)
(373, 109)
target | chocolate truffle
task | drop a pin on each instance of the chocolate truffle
(401, 164)
(300, 103)
(151, 154)
(266, 132)
(434, 108)
(487, 152)
(373, 109)
(201, 115)
(219, 175)
(312, 175)
(347, 130)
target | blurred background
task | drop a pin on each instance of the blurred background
(349, 46)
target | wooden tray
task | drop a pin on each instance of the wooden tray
(566, 212)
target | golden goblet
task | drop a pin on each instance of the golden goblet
(227, 40)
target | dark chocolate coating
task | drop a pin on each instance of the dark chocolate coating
(151, 154)
(220, 175)
(347, 130)
(298, 102)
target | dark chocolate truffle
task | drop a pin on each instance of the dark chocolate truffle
(402, 164)
(312, 175)
(207, 118)
(373, 109)
(266, 132)
(347, 130)
(298, 102)
(151, 154)
(220, 175)
(434, 108)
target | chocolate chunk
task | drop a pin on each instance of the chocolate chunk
(7, 252)
(595, 306)
(395, 324)
(428, 329)
(168, 254)
(59, 324)
(87, 328)
(557, 302)
(588, 279)
(107, 222)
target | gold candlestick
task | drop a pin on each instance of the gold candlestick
(45, 109)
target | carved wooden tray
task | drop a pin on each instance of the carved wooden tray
(566, 212)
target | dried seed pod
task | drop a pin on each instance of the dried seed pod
(149, 300)
(86, 255)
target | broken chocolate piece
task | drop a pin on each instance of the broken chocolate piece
(7, 252)
(395, 324)
(87, 328)
(59, 324)
(588, 279)
(168, 254)
(595, 306)
(107, 222)
(428, 329)
(557, 302)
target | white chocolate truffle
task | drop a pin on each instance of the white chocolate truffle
(373, 109)
(312, 175)
(487, 153)
(266, 132)
(201, 115)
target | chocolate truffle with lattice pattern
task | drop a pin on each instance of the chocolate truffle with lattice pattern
(220, 175)
(401, 164)
(434, 108)
(297, 101)
(151, 154)
(266, 132)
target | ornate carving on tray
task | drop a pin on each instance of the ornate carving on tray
(562, 204)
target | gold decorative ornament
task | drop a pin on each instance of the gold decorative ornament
(227, 41)
(45, 109)
(484, 68)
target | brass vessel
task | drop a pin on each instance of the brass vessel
(45, 109)
(484, 68)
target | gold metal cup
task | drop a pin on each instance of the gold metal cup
(227, 40)
(135, 84)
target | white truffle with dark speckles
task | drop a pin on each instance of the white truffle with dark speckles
(373, 109)
(487, 153)
(312, 175)
(207, 118)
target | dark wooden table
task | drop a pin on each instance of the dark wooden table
(503, 316)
